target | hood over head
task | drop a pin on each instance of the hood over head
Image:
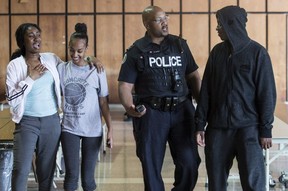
(233, 20)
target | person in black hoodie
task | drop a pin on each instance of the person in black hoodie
(237, 100)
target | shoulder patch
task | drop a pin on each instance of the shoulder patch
(124, 58)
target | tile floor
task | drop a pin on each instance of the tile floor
(119, 169)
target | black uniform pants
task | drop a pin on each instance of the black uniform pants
(222, 146)
(152, 131)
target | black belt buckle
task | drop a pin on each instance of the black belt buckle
(167, 104)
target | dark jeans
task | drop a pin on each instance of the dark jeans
(152, 132)
(40, 135)
(222, 146)
(89, 152)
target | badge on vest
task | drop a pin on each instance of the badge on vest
(164, 61)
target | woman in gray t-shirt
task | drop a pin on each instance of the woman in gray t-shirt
(85, 101)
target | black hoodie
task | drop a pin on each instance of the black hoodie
(238, 87)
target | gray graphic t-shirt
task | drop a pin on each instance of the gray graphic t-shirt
(81, 87)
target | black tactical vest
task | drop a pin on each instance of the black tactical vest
(161, 70)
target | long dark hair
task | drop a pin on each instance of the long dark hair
(19, 34)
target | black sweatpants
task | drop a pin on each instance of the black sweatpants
(222, 146)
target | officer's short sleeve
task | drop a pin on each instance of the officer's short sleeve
(128, 70)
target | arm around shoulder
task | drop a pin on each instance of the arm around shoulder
(93, 61)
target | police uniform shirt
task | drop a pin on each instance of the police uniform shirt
(173, 53)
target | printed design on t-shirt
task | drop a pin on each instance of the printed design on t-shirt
(75, 94)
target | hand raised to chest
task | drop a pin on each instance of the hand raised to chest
(35, 69)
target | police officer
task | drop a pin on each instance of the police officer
(161, 70)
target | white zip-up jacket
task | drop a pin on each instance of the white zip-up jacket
(19, 84)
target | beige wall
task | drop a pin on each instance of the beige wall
(113, 27)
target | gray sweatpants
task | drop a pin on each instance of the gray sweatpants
(40, 135)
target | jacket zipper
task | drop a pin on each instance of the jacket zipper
(230, 86)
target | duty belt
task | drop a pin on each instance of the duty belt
(164, 103)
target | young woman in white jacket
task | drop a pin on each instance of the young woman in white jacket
(33, 93)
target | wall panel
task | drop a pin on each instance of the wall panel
(277, 5)
(218, 4)
(256, 27)
(136, 6)
(4, 6)
(25, 7)
(195, 5)
(75, 6)
(174, 24)
(168, 5)
(109, 48)
(278, 51)
(257, 5)
(4, 53)
(109, 6)
(52, 6)
(197, 38)
(134, 29)
(53, 34)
